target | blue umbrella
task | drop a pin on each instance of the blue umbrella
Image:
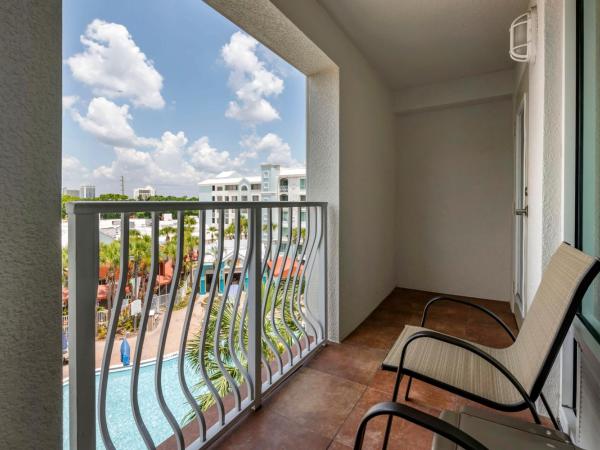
(125, 352)
(65, 344)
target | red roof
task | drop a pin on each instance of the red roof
(101, 293)
(161, 280)
(286, 267)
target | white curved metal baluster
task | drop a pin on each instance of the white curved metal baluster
(217, 341)
(266, 298)
(316, 245)
(236, 308)
(186, 327)
(207, 316)
(292, 274)
(263, 272)
(163, 335)
(112, 331)
(137, 358)
(302, 283)
(279, 278)
(298, 280)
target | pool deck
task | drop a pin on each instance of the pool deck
(151, 340)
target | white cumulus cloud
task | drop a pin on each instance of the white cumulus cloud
(171, 166)
(209, 159)
(142, 167)
(250, 80)
(107, 122)
(276, 149)
(74, 172)
(68, 101)
(115, 67)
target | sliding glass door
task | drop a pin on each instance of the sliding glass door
(588, 189)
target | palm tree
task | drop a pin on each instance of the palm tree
(110, 256)
(233, 318)
(230, 231)
(65, 266)
(212, 230)
(265, 227)
(168, 232)
(295, 234)
(244, 226)
(139, 253)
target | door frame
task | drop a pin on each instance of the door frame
(520, 171)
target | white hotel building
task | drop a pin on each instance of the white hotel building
(275, 183)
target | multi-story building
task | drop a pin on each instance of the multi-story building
(70, 192)
(144, 193)
(275, 183)
(87, 191)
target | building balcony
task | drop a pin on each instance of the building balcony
(236, 314)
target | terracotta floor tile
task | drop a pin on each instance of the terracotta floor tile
(404, 434)
(394, 318)
(493, 305)
(422, 395)
(376, 428)
(383, 381)
(321, 405)
(338, 446)
(267, 430)
(317, 400)
(374, 335)
(354, 363)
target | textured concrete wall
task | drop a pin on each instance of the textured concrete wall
(553, 157)
(30, 164)
(367, 177)
(455, 195)
(323, 171)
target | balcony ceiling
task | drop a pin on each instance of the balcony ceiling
(416, 42)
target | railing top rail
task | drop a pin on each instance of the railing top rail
(93, 207)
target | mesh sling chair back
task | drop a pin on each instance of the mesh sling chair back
(507, 379)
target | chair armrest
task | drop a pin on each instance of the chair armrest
(484, 310)
(420, 418)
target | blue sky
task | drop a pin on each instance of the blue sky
(168, 92)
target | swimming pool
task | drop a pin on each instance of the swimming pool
(119, 417)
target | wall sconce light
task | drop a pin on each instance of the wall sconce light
(521, 38)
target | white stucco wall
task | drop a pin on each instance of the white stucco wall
(367, 158)
(455, 193)
(30, 164)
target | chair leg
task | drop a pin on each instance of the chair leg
(408, 389)
(552, 418)
(534, 413)
(388, 428)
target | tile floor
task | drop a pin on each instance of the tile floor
(321, 405)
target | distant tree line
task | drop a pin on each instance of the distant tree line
(120, 197)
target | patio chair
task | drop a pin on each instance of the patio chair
(469, 429)
(439, 426)
(507, 379)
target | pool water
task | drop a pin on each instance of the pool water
(119, 417)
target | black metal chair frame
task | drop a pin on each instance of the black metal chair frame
(536, 391)
(420, 418)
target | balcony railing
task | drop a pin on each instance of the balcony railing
(263, 312)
